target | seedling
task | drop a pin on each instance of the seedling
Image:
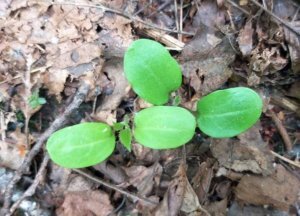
(125, 135)
(152, 71)
(229, 112)
(153, 74)
(81, 145)
(35, 100)
(164, 127)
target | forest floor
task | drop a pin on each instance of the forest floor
(61, 63)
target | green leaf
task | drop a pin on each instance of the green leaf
(118, 126)
(227, 113)
(35, 100)
(125, 138)
(164, 127)
(81, 145)
(152, 71)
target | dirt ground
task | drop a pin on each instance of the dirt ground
(61, 63)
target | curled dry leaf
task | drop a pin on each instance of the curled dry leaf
(250, 153)
(144, 178)
(173, 198)
(245, 39)
(294, 46)
(87, 203)
(279, 190)
(202, 180)
(114, 91)
(206, 65)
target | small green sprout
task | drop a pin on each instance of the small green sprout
(35, 100)
(152, 71)
(125, 135)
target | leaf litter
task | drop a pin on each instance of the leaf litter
(49, 47)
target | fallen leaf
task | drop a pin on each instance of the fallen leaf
(144, 178)
(114, 91)
(88, 203)
(218, 207)
(173, 198)
(202, 180)
(245, 39)
(250, 153)
(236, 209)
(190, 205)
(279, 190)
(294, 91)
(206, 65)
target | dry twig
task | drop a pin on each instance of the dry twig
(31, 190)
(58, 123)
(290, 27)
(286, 139)
(294, 163)
(111, 186)
(128, 16)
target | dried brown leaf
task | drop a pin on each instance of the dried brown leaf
(115, 89)
(250, 153)
(144, 178)
(205, 63)
(245, 39)
(88, 203)
(202, 180)
(173, 198)
(279, 190)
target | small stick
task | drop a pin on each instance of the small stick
(286, 139)
(180, 20)
(238, 7)
(31, 190)
(276, 17)
(136, 19)
(58, 123)
(296, 164)
(111, 186)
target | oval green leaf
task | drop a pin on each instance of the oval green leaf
(125, 138)
(152, 71)
(164, 127)
(81, 145)
(229, 112)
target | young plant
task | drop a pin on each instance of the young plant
(35, 100)
(164, 127)
(152, 71)
(81, 145)
(229, 112)
(125, 135)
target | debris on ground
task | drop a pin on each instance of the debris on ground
(51, 50)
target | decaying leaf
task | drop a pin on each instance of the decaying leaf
(173, 198)
(144, 178)
(236, 209)
(115, 89)
(206, 65)
(250, 153)
(245, 39)
(88, 203)
(202, 180)
(280, 190)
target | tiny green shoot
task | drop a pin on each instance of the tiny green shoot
(35, 100)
